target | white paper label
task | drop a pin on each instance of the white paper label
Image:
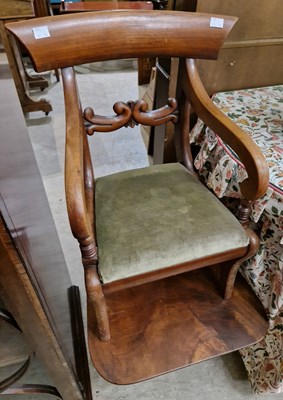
(216, 22)
(41, 32)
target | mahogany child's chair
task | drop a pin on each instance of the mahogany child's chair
(146, 235)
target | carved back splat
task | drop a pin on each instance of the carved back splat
(130, 114)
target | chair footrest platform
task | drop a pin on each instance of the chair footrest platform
(161, 326)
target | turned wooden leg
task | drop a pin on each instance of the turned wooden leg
(96, 302)
(57, 74)
(253, 248)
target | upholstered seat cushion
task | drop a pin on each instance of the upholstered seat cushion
(156, 217)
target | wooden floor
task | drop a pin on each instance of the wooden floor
(169, 324)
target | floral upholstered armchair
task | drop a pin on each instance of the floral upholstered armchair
(259, 112)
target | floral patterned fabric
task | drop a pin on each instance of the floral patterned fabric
(260, 113)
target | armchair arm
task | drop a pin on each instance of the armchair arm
(256, 184)
(78, 171)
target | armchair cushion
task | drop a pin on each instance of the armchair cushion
(140, 212)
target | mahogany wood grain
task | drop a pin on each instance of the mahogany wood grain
(144, 65)
(84, 6)
(117, 35)
(162, 326)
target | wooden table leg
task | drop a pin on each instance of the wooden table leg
(158, 133)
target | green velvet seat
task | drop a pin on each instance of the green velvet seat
(156, 217)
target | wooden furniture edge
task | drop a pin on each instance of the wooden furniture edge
(28, 312)
(249, 153)
(196, 37)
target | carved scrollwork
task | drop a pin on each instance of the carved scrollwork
(100, 123)
(130, 114)
(155, 117)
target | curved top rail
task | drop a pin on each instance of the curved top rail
(108, 35)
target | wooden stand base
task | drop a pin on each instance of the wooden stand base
(21, 78)
(9, 386)
(172, 323)
(36, 81)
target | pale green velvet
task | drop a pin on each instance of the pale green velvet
(157, 217)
